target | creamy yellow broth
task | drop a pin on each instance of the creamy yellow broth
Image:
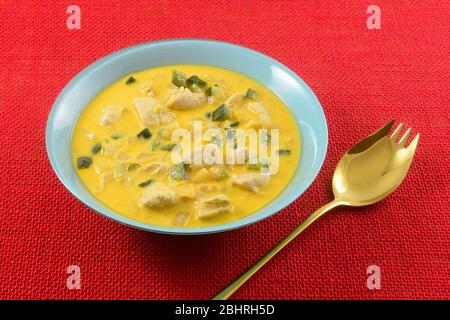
(116, 172)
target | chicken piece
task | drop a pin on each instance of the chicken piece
(110, 115)
(253, 124)
(102, 165)
(185, 191)
(263, 114)
(250, 181)
(257, 107)
(181, 219)
(202, 176)
(212, 206)
(147, 89)
(167, 131)
(103, 179)
(143, 157)
(155, 168)
(120, 169)
(235, 100)
(182, 98)
(151, 113)
(166, 117)
(145, 110)
(121, 155)
(266, 120)
(145, 102)
(158, 195)
(205, 188)
(218, 173)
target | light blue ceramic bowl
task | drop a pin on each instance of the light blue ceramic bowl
(286, 84)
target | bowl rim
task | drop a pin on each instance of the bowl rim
(117, 217)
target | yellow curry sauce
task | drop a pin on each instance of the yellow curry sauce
(122, 146)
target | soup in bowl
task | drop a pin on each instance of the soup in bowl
(127, 147)
(178, 146)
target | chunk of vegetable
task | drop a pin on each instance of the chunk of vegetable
(145, 183)
(146, 134)
(133, 166)
(96, 148)
(251, 94)
(250, 181)
(215, 94)
(155, 145)
(195, 79)
(178, 172)
(158, 195)
(116, 136)
(130, 80)
(84, 162)
(213, 206)
(234, 124)
(195, 88)
(221, 113)
(168, 147)
(179, 78)
(209, 91)
(284, 152)
(257, 166)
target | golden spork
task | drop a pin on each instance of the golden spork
(369, 171)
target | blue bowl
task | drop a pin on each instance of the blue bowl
(300, 99)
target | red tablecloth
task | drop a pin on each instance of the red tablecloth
(362, 78)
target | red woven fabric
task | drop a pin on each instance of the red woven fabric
(362, 78)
